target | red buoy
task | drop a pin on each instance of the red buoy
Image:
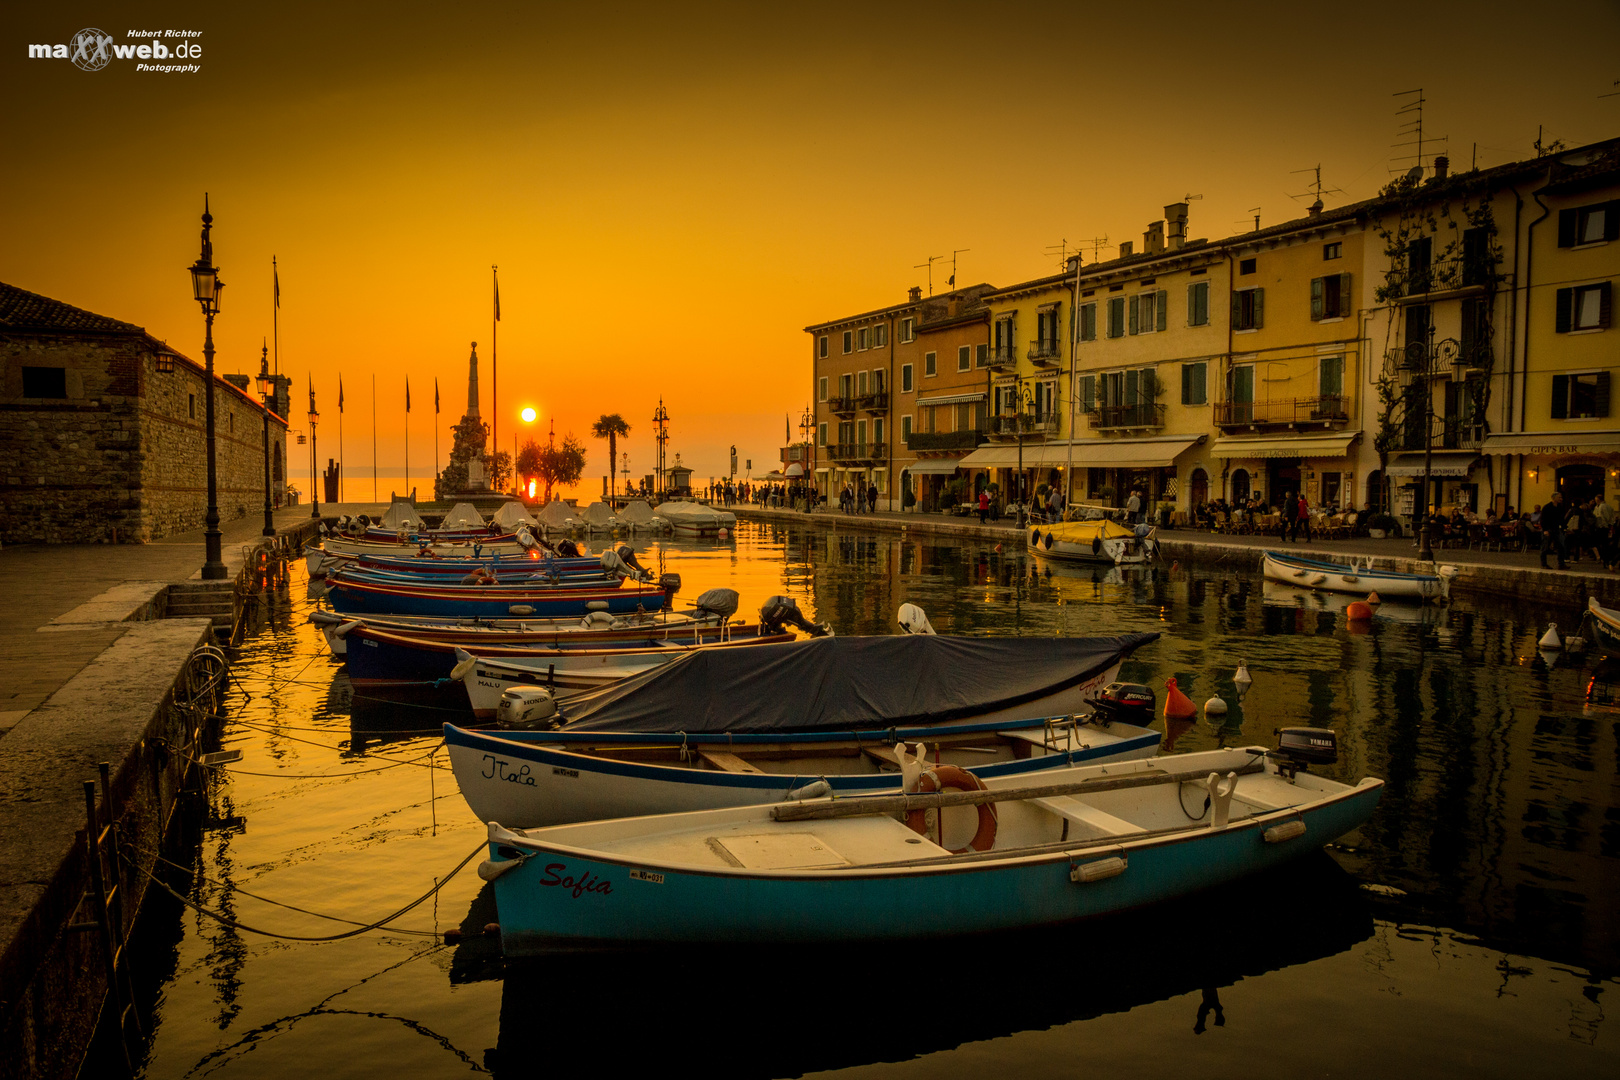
(1358, 611)
(1177, 706)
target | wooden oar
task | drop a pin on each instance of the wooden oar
(891, 804)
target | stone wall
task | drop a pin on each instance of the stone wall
(122, 457)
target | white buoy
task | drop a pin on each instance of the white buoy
(1214, 707)
(722, 534)
(1551, 640)
(1241, 679)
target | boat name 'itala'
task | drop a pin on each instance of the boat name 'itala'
(496, 769)
(590, 883)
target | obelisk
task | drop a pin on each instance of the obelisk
(475, 464)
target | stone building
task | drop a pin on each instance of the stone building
(103, 431)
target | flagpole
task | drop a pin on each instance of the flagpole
(408, 437)
(494, 379)
(341, 467)
(373, 436)
(435, 438)
(275, 313)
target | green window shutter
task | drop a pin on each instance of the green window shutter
(1134, 311)
(1566, 227)
(1132, 384)
(1563, 310)
(1148, 388)
(1186, 384)
(1560, 397)
(1259, 308)
(1200, 386)
(1346, 305)
(1237, 311)
(1163, 308)
(1603, 307)
(1192, 305)
(1603, 393)
(1316, 298)
(1088, 393)
(1611, 220)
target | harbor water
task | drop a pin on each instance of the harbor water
(1471, 928)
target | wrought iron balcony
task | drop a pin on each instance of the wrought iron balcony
(1292, 412)
(843, 406)
(858, 452)
(1443, 276)
(944, 440)
(1012, 424)
(1146, 415)
(1005, 356)
(1046, 353)
(878, 402)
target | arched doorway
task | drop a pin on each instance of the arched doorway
(1376, 499)
(1240, 485)
(1197, 489)
(1580, 483)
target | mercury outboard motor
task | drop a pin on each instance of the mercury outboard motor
(568, 549)
(780, 612)
(721, 602)
(671, 584)
(1128, 703)
(628, 554)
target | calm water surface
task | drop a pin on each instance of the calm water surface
(1471, 927)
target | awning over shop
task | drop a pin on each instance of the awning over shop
(1087, 453)
(1553, 443)
(935, 466)
(951, 399)
(1447, 463)
(1330, 445)
(794, 470)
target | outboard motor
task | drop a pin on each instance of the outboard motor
(779, 612)
(612, 564)
(567, 549)
(1298, 748)
(365, 521)
(671, 584)
(526, 539)
(526, 707)
(721, 602)
(1128, 703)
(914, 620)
(628, 554)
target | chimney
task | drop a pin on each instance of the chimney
(1125, 249)
(1153, 239)
(1073, 264)
(1441, 165)
(1314, 209)
(953, 307)
(915, 294)
(1176, 215)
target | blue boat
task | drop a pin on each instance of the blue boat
(353, 597)
(1047, 849)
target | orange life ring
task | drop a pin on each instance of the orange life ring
(950, 776)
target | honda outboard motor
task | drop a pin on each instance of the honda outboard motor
(1128, 703)
(568, 549)
(914, 620)
(780, 612)
(721, 602)
(628, 554)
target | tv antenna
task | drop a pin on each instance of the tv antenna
(954, 254)
(1256, 212)
(930, 265)
(1191, 198)
(1316, 185)
(1410, 118)
(1062, 249)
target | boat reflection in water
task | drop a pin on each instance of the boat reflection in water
(780, 1012)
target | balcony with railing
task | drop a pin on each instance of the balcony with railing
(1146, 416)
(1011, 425)
(858, 452)
(1047, 353)
(1325, 411)
(1002, 357)
(1443, 277)
(875, 403)
(919, 441)
(844, 406)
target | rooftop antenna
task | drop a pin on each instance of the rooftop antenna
(1412, 125)
(1612, 93)
(930, 265)
(1097, 244)
(1062, 248)
(954, 254)
(1256, 212)
(1316, 185)
(1191, 198)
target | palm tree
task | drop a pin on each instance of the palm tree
(610, 427)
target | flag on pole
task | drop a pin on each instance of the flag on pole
(340, 393)
(497, 299)
(407, 393)
(312, 393)
(275, 277)
(435, 395)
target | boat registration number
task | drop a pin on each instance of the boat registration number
(647, 875)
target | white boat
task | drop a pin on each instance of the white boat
(640, 517)
(462, 516)
(1042, 849)
(1097, 540)
(600, 518)
(696, 519)
(558, 516)
(513, 514)
(1358, 577)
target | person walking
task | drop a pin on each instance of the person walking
(871, 497)
(1552, 530)
(1285, 519)
(1302, 518)
(984, 504)
(1133, 508)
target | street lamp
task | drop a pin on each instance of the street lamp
(314, 491)
(267, 386)
(1024, 400)
(1424, 355)
(206, 287)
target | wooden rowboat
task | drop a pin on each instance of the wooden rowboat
(1359, 577)
(1100, 540)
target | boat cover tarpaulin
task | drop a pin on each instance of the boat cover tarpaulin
(401, 515)
(512, 514)
(841, 683)
(636, 512)
(558, 515)
(463, 516)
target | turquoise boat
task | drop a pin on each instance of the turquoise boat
(1044, 850)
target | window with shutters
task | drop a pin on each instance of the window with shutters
(1330, 372)
(1006, 339)
(1086, 393)
(1088, 321)
(849, 342)
(1478, 266)
(861, 343)
(1147, 312)
(982, 355)
(930, 364)
(905, 378)
(908, 330)
(1248, 309)
(880, 335)
(1198, 304)
(1330, 297)
(860, 384)
(1193, 383)
(1582, 307)
(1046, 328)
(1589, 224)
(1580, 396)
(821, 346)
(821, 388)
(964, 357)
(1418, 254)
(905, 429)
(821, 434)
(1116, 316)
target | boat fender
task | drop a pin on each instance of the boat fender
(464, 665)
(914, 620)
(1035, 538)
(939, 778)
(1097, 870)
(489, 869)
(1286, 831)
(342, 629)
(1319, 579)
(813, 790)
(1220, 801)
(596, 620)
(1150, 549)
(1551, 640)
(1096, 545)
(1047, 543)
(520, 609)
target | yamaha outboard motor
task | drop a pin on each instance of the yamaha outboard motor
(568, 549)
(1298, 748)
(721, 602)
(780, 612)
(628, 554)
(1128, 703)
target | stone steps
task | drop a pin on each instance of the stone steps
(211, 599)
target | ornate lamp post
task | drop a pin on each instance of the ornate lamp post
(314, 459)
(1024, 400)
(206, 287)
(1427, 356)
(267, 387)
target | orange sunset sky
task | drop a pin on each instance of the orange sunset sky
(672, 192)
